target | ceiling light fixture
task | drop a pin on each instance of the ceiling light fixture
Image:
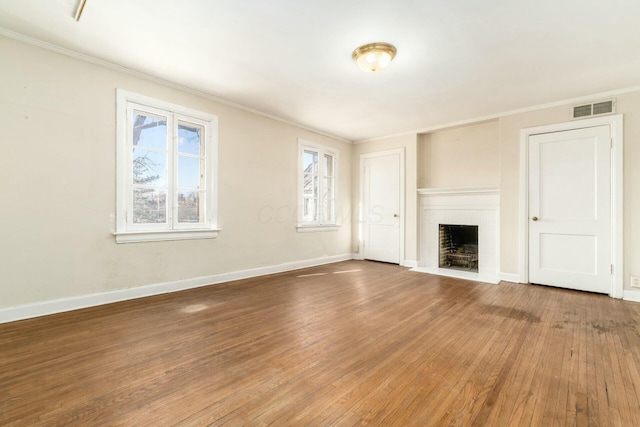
(374, 56)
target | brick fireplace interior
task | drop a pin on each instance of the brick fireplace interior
(458, 247)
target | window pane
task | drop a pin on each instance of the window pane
(149, 167)
(327, 192)
(149, 131)
(310, 210)
(310, 162)
(149, 206)
(190, 139)
(310, 185)
(328, 165)
(328, 210)
(189, 175)
(190, 206)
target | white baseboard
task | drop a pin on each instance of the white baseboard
(411, 263)
(510, 277)
(11, 314)
(631, 295)
(357, 256)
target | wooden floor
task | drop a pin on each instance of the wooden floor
(351, 343)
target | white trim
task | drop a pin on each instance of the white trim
(489, 189)
(152, 78)
(631, 295)
(401, 153)
(490, 117)
(509, 277)
(154, 236)
(411, 263)
(314, 228)
(11, 314)
(616, 125)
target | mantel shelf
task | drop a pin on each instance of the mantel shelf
(489, 189)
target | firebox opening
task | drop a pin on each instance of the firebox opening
(459, 247)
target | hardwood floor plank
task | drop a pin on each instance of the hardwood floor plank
(350, 343)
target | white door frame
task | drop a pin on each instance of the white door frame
(616, 125)
(363, 157)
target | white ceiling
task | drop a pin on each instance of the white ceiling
(457, 59)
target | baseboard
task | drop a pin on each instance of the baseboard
(411, 263)
(11, 314)
(631, 295)
(357, 256)
(510, 277)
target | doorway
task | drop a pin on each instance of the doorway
(571, 212)
(382, 206)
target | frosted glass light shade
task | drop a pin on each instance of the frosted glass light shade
(374, 56)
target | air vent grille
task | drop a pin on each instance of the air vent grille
(605, 107)
(595, 109)
(581, 111)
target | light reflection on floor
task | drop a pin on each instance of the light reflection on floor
(335, 272)
(194, 308)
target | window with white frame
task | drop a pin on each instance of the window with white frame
(317, 192)
(167, 161)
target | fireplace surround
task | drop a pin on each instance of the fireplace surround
(476, 207)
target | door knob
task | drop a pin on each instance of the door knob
(395, 215)
(535, 218)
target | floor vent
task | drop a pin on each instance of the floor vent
(595, 109)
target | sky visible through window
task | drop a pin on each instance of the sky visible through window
(150, 153)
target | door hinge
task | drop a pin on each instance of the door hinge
(610, 142)
(610, 268)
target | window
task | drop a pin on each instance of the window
(166, 171)
(317, 191)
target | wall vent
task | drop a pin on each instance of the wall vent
(595, 109)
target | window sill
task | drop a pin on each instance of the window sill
(314, 228)
(158, 236)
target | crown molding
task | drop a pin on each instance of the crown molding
(155, 79)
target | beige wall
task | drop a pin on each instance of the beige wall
(409, 143)
(58, 176)
(464, 156)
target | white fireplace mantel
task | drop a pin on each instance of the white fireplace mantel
(461, 206)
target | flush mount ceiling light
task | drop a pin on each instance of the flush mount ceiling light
(374, 56)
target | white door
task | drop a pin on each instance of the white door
(570, 209)
(381, 207)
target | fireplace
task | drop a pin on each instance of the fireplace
(469, 206)
(458, 247)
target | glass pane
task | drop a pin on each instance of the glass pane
(328, 210)
(328, 165)
(149, 131)
(310, 210)
(190, 139)
(190, 206)
(327, 192)
(149, 167)
(310, 162)
(189, 172)
(310, 185)
(149, 206)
